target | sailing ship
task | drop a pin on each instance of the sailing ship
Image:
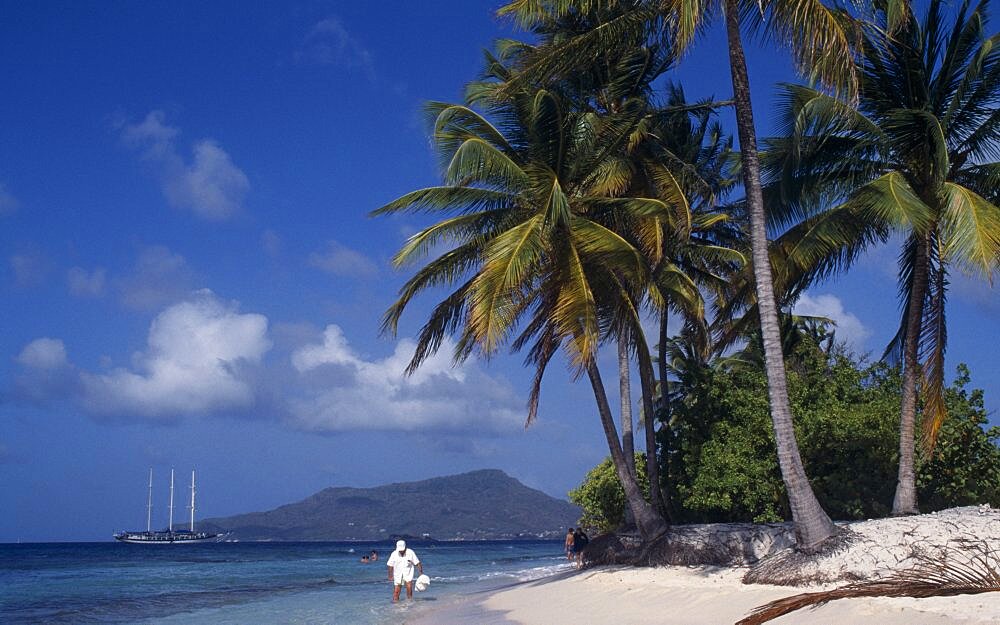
(169, 535)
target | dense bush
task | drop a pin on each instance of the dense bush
(601, 496)
(719, 461)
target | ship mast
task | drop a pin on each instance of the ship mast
(192, 501)
(149, 504)
(171, 526)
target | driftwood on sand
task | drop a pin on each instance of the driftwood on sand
(959, 573)
(718, 544)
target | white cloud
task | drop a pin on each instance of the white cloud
(8, 203)
(849, 329)
(353, 393)
(329, 43)
(193, 364)
(47, 375)
(340, 260)
(44, 353)
(83, 283)
(211, 185)
(159, 277)
(203, 357)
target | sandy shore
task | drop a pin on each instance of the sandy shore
(689, 596)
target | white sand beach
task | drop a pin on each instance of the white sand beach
(692, 596)
(702, 595)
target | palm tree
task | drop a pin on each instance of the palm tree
(916, 157)
(674, 146)
(820, 40)
(526, 242)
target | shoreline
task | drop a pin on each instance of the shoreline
(675, 595)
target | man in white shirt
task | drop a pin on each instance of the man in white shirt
(401, 564)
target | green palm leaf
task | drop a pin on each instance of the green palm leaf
(971, 230)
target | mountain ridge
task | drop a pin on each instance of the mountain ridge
(477, 505)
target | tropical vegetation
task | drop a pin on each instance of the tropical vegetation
(722, 463)
(583, 195)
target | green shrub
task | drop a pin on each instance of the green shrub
(719, 461)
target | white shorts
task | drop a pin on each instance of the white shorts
(402, 576)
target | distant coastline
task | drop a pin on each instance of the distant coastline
(479, 505)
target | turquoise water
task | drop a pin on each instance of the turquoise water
(238, 583)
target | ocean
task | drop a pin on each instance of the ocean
(241, 583)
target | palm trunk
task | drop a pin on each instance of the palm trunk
(812, 524)
(665, 409)
(905, 501)
(625, 393)
(649, 522)
(628, 442)
(647, 383)
(661, 354)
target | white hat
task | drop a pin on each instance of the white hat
(422, 583)
(400, 545)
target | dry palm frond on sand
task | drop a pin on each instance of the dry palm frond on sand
(965, 573)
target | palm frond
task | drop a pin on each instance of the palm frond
(477, 162)
(508, 260)
(959, 574)
(446, 317)
(575, 313)
(934, 335)
(971, 229)
(821, 39)
(449, 198)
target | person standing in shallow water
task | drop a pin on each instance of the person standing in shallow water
(568, 545)
(401, 564)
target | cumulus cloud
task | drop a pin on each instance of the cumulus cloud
(8, 203)
(159, 277)
(83, 283)
(204, 357)
(849, 329)
(193, 364)
(341, 260)
(329, 43)
(43, 353)
(350, 392)
(209, 184)
(46, 372)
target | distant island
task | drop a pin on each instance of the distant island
(480, 505)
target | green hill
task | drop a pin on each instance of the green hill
(487, 504)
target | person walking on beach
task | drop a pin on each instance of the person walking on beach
(401, 564)
(569, 544)
(580, 540)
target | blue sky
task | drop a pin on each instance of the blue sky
(189, 279)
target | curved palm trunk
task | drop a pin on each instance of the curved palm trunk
(905, 501)
(649, 522)
(647, 383)
(812, 525)
(625, 393)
